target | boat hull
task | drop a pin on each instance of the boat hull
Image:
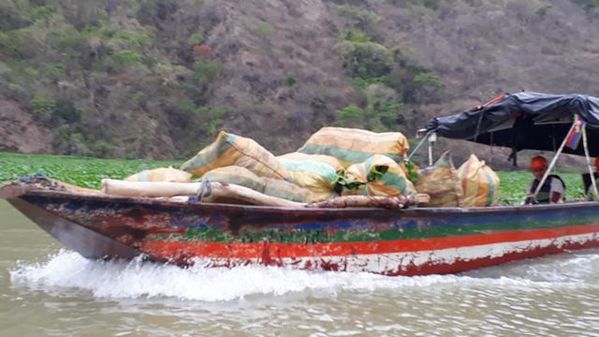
(411, 260)
(391, 242)
(79, 238)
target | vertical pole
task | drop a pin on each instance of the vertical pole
(431, 141)
(552, 164)
(430, 154)
(588, 157)
(492, 156)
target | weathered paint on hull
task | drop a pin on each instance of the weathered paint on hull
(395, 258)
(391, 242)
(79, 238)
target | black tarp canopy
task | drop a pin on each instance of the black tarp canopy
(525, 120)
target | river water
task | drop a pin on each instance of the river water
(46, 290)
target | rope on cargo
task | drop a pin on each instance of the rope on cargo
(204, 190)
(424, 138)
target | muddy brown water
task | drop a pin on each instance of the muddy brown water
(46, 290)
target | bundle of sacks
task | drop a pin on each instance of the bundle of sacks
(334, 162)
(473, 184)
(237, 160)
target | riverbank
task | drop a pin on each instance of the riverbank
(81, 171)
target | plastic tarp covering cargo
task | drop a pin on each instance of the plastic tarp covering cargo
(377, 176)
(479, 183)
(524, 120)
(352, 146)
(269, 186)
(229, 149)
(441, 182)
(318, 177)
(167, 174)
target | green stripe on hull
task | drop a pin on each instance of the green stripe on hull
(291, 235)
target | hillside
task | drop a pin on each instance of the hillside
(157, 78)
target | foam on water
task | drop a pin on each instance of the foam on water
(114, 279)
(567, 269)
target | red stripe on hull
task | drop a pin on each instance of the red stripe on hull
(180, 251)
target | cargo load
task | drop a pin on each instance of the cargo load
(479, 182)
(318, 177)
(232, 150)
(441, 182)
(166, 174)
(269, 186)
(329, 160)
(352, 146)
(377, 176)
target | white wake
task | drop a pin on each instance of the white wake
(68, 271)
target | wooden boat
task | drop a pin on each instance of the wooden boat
(412, 241)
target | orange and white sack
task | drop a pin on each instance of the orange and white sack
(329, 160)
(377, 176)
(352, 146)
(479, 183)
(441, 182)
(232, 150)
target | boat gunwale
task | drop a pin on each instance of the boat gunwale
(19, 190)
